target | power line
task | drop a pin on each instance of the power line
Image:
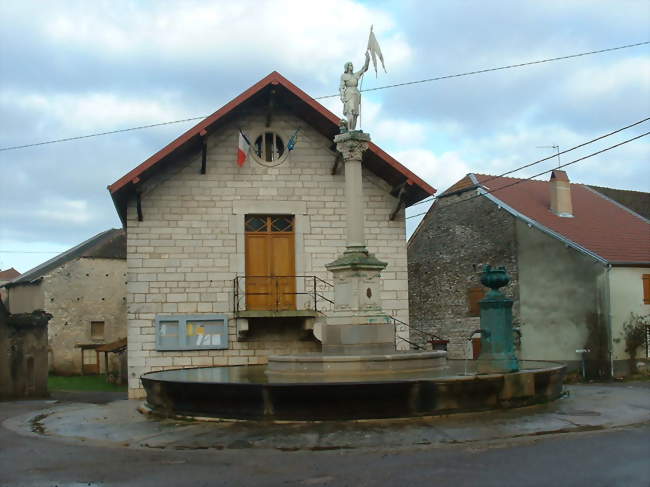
(100, 133)
(431, 198)
(447, 206)
(519, 181)
(487, 70)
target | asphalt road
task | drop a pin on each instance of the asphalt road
(618, 457)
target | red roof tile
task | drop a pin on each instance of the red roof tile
(9, 274)
(599, 225)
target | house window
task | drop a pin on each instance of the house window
(474, 296)
(97, 330)
(192, 332)
(646, 288)
(269, 147)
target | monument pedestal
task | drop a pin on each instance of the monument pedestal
(357, 325)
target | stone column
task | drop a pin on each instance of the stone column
(352, 145)
(357, 325)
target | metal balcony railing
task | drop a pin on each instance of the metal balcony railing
(319, 293)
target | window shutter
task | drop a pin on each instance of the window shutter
(646, 288)
(474, 295)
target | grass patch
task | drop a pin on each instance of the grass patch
(82, 383)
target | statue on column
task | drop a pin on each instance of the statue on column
(348, 89)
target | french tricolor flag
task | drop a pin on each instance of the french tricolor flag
(242, 149)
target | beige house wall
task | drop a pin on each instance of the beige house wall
(25, 298)
(563, 306)
(184, 255)
(626, 297)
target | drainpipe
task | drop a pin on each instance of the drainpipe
(608, 305)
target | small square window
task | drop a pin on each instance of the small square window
(97, 330)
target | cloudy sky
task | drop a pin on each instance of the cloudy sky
(75, 67)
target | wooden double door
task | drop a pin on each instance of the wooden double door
(270, 262)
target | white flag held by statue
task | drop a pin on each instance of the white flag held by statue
(375, 51)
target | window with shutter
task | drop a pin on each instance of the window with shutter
(474, 295)
(646, 288)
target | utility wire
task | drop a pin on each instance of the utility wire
(444, 207)
(519, 181)
(487, 70)
(100, 133)
(431, 198)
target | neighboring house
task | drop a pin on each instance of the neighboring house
(227, 264)
(84, 289)
(6, 276)
(579, 261)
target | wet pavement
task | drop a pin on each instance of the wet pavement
(102, 421)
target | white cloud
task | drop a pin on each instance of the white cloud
(441, 171)
(92, 111)
(65, 211)
(312, 36)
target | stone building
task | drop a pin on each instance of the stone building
(84, 289)
(23, 354)
(226, 263)
(579, 261)
(6, 276)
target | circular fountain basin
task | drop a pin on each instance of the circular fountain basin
(246, 392)
(340, 367)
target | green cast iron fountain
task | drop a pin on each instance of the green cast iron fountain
(497, 342)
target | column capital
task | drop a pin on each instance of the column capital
(352, 144)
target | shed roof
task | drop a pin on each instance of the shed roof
(297, 100)
(110, 244)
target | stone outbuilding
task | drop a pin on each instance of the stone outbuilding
(6, 276)
(226, 262)
(23, 354)
(84, 289)
(579, 261)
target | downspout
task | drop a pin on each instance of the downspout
(608, 305)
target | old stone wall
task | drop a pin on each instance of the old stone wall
(25, 298)
(445, 257)
(79, 292)
(23, 354)
(184, 255)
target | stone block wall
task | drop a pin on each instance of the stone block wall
(23, 354)
(445, 257)
(184, 255)
(78, 292)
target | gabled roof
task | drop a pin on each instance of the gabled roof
(297, 100)
(9, 274)
(110, 244)
(599, 227)
(636, 201)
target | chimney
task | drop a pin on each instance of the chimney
(561, 194)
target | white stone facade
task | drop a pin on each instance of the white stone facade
(184, 255)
